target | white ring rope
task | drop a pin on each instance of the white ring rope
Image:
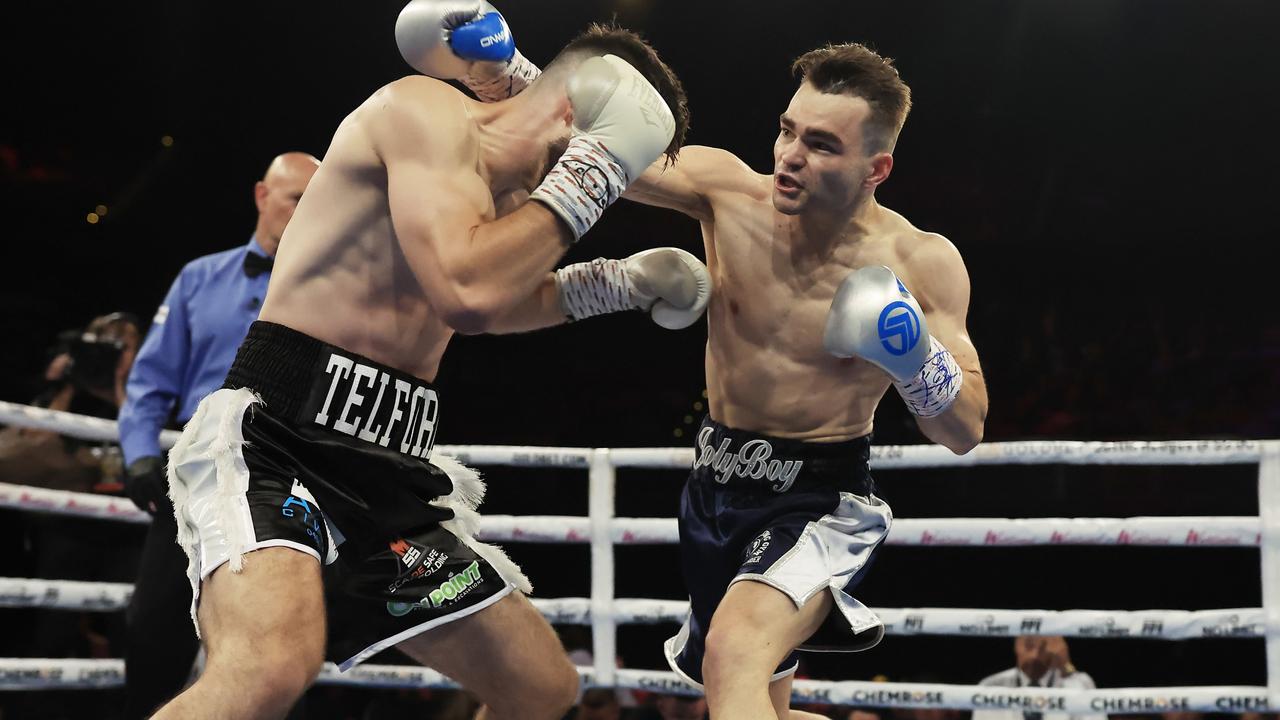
(602, 530)
(45, 674)
(1146, 624)
(975, 532)
(1179, 452)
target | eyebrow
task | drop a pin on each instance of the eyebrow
(822, 135)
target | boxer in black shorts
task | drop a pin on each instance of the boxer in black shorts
(330, 454)
(432, 213)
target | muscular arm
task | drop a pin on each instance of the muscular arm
(540, 310)
(688, 184)
(474, 269)
(943, 284)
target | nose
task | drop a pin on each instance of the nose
(791, 155)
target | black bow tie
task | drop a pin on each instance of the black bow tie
(255, 264)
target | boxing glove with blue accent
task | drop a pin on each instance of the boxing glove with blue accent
(874, 317)
(466, 40)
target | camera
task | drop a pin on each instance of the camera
(93, 361)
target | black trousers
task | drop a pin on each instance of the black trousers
(161, 643)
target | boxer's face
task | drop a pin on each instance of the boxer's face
(818, 159)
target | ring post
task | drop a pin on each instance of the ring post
(1269, 515)
(601, 508)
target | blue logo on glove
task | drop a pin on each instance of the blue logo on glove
(487, 38)
(899, 328)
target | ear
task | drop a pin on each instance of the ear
(881, 166)
(260, 191)
(566, 111)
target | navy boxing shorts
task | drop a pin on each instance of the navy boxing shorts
(801, 517)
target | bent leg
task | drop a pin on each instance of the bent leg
(508, 655)
(753, 630)
(264, 632)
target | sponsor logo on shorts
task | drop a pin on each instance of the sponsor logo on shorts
(409, 416)
(301, 506)
(758, 546)
(450, 591)
(414, 561)
(751, 460)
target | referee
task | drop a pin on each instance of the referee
(186, 355)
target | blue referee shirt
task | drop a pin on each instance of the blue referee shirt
(190, 346)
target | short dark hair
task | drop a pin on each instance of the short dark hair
(854, 69)
(612, 39)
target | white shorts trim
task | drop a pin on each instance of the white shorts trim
(207, 569)
(208, 479)
(400, 637)
(675, 645)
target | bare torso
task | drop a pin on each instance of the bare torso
(341, 274)
(766, 367)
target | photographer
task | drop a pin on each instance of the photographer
(85, 375)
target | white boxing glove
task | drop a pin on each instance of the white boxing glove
(465, 40)
(874, 317)
(622, 125)
(673, 285)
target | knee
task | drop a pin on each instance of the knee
(271, 680)
(729, 652)
(275, 690)
(289, 675)
(562, 689)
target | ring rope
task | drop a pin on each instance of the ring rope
(602, 529)
(975, 532)
(1037, 452)
(1147, 624)
(46, 674)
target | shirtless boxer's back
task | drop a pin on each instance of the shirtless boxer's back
(810, 323)
(418, 224)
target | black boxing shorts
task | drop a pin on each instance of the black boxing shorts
(313, 448)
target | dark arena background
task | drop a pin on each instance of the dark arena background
(1107, 168)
